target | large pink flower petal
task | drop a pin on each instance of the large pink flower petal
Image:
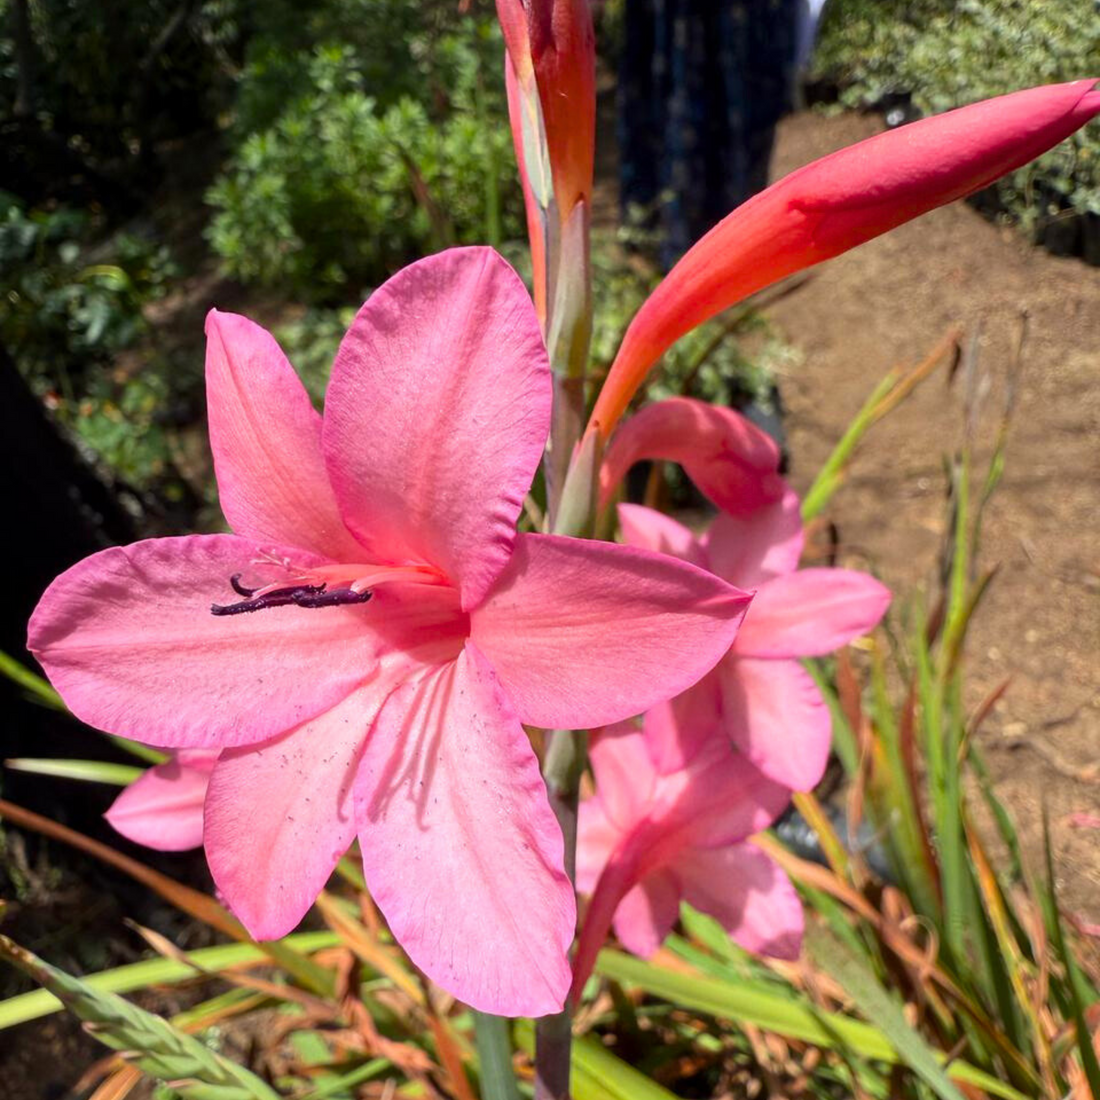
(647, 913)
(163, 808)
(648, 529)
(280, 815)
(811, 612)
(266, 439)
(729, 458)
(775, 715)
(461, 850)
(750, 549)
(126, 636)
(585, 633)
(677, 729)
(437, 414)
(624, 773)
(748, 894)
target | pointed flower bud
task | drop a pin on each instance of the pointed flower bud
(552, 48)
(836, 203)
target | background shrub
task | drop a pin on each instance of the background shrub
(366, 152)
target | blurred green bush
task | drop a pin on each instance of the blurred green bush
(382, 140)
(946, 53)
(69, 307)
(91, 95)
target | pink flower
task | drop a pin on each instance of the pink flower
(732, 461)
(759, 694)
(648, 840)
(163, 809)
(380, 631)
(836, 203)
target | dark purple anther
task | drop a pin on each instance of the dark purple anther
(239, 588)
(302, 595)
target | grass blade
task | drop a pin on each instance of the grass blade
(494, 1054)
(597, 1074)
(35, 686)
(755, 1003)
(876, 1004)
(1074, 983)
(149, 1042)
(894, 388)
(87, 771)
(158, 971)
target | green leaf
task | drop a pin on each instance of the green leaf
(30, 682)
(1075, 984)
(88, 771)
(831, 473)
(346, 1082)
(494, 1054)
(876, 1004)
(749, 1001)
(755, 1003)
(151, 1043)
(597, 1074)
(135, 748)
(158, 971)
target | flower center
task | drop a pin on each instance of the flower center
(323, 586)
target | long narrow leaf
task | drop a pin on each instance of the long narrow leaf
(894, 388)
(151, 1043)
(159, 971)
(1076, 994)
(754, 1004)
(494, 1054)
(597, 1074)
(31, 682)
(87, 771)
(876, 1004)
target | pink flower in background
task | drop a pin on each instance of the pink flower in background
(647, 841)
(364, 649)
(732, 461)
(163, 808)
(759, 694)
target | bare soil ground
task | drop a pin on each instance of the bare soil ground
(889, 302)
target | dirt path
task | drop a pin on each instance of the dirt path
(889, 302)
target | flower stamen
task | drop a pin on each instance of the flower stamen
(301, 595)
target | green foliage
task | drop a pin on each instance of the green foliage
(365, 153)
(70, 307)
(89, 90)
(67, 307)
(310, 342)
(1005, 980)
(194, 1071)
(947, 53)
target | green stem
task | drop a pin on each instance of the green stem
(562, 769)
(568, 337)
(494, 1055)
(565, 431)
